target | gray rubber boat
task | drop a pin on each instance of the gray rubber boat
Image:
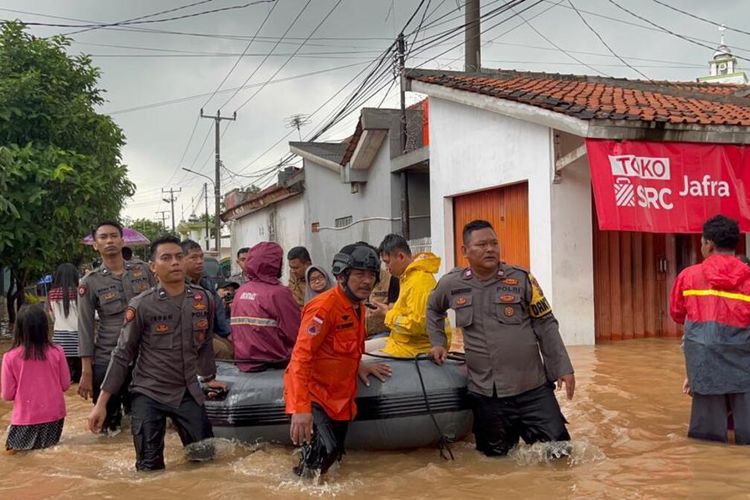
(391, 415)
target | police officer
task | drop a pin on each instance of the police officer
(106, 291)
(507, 323)
(169, 330)
(320, 382)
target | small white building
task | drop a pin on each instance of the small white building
(272, 214)
(509, 147)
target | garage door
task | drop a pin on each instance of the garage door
(507, 208)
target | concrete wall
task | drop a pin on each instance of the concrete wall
(473, 150)
(573, 247)
(327, 199)
(282, 222)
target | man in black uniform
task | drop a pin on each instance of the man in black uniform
(169, 329)
(106, 291)
(514, 352)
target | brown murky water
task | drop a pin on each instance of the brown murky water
(628, 422)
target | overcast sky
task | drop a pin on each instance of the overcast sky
(141, 69)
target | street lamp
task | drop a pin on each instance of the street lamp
(205, 197)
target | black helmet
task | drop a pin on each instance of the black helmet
(357, 256)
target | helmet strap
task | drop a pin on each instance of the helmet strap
(348, 291)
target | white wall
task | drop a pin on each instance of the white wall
(288, 217)
(327, 198)
(573, 252)
(473, 150)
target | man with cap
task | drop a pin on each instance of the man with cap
(320, 383)
(105, 292)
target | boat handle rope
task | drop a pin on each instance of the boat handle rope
(444, 441)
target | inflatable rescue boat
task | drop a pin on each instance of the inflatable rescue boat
(414, 408)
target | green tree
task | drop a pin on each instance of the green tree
(148, 228)
(60, 163)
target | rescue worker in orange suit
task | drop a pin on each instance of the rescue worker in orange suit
(320, 382)
(712, 300)
(514, 352)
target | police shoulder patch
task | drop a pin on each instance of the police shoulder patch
(82, 289)
(129, 314)
(539, 305)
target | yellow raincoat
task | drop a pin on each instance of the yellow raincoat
(407, 320)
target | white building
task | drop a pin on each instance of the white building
(509, 147)
(273, 214)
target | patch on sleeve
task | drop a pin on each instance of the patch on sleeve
(82, 289)
(129, 314)
(539, 305)
(315, 325)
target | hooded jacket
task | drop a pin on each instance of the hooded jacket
(309, 292)
(712, 300)
(265, 317)
(407, 320)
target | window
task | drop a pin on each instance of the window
(344, 221)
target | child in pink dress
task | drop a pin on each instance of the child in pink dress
(35, 377)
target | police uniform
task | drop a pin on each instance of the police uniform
(507, 323)
(103, 292)
(322, 375)
(172, 340)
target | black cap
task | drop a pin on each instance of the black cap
(226, 284)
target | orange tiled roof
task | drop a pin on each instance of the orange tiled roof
(594, 98)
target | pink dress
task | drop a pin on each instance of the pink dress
(36, 387)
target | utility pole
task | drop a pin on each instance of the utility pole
(217, 182)
(404, 176)
(171, 201)
(163, 218)
(205, 200)
(472, 47)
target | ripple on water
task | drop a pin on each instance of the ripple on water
(576, 452)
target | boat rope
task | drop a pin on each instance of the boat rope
(444, 441)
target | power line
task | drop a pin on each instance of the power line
(695, 16)
(239, 59)
(149, 21)
(278, 70)
(666, 30)
(545, 38)
(197, 96)
(591, 28)
(146, 16)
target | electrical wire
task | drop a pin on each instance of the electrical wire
(146, 16)
(149, 21)
(596, 33)
(666, 30)
(239, 59)
(278, 70)
(695, 16)
(289, 28)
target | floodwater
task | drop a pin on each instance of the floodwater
(628, 422)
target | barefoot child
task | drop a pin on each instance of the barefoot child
(35, 376)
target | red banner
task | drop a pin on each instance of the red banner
(668, 187)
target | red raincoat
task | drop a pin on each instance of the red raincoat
(265, 317)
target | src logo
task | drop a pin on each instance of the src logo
(627, 194)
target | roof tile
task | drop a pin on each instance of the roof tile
(589, 98)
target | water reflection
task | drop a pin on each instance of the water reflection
(628, 423)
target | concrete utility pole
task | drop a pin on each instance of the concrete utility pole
(205, 199)
(163, 218)
(217, 182)
(472, 35)
(404, 176)
(171, 201)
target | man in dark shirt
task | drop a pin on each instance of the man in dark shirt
(514, 352)
(169, 329)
